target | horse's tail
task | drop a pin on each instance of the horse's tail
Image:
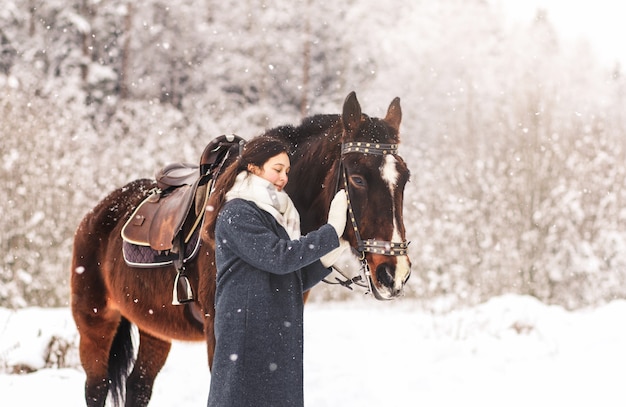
(121, 358)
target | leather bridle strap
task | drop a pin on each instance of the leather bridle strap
(368, 148)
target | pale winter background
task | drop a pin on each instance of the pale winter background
(513, 130)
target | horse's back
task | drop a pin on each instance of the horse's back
(114, 207)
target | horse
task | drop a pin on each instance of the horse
(328, 152)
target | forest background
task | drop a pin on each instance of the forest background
(514, 136)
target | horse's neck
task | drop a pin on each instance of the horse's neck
(308, 183)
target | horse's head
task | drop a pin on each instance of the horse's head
(374, 175)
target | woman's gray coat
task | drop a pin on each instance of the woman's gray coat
(261, 276)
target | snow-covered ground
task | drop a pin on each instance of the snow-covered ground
(510, 351)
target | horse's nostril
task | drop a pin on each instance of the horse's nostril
(385, 274)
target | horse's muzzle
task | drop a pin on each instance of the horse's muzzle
(390, 280)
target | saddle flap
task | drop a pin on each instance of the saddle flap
(157, 222)
(170, 216)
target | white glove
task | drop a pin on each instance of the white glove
(338, 212)
(331, 257)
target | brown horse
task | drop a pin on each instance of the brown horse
(351, 150)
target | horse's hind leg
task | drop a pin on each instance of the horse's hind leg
(96, 336)
(151, 357)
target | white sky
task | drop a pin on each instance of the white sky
(601, 22)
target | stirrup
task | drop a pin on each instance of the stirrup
(182, 292)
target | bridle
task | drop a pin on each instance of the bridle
(376, 246)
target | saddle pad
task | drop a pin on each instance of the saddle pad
(147, 257)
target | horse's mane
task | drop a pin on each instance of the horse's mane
(315, 146)
(328, 126)
(309, 128)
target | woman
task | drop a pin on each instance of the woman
(263, 268)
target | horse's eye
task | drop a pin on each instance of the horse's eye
(358, 181)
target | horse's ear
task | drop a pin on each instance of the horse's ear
(351, 116)
(394, 114)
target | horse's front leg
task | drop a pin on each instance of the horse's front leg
(206, 298)
(210, 340)
(151, 357)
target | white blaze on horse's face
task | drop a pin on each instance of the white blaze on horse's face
(389, 173)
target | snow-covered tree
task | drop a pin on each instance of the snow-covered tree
(513, 136)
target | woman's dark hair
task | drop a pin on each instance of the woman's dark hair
(256, 152)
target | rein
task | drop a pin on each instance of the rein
(383, 247)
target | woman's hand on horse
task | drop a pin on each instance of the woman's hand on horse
(338, 212)
(331, 258)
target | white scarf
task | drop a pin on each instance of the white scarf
(265, 195)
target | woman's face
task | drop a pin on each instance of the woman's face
(275, 170)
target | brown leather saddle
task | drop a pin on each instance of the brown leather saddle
(167, 219)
